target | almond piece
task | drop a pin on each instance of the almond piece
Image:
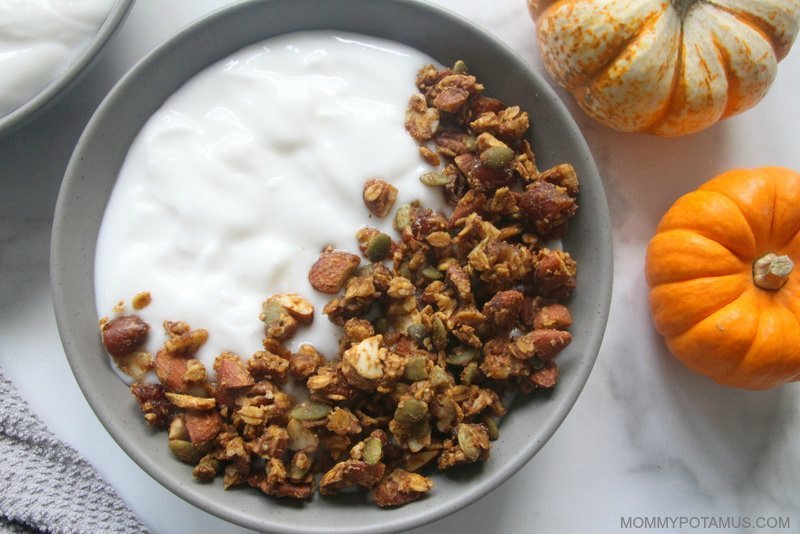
(231, 371)
(331, 269)
(203, 426)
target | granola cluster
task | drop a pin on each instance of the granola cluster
(436, 325)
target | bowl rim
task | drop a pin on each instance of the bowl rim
(88, 57)
(470, 494)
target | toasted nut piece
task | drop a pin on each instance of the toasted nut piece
(379, 197)
(350, 473)
(185, 451)
(544, 344)
(430, 157)
(190, 402)
(141, 300)
(555, 316)
(546, 377)
(416, 461)
(136, 364)
(265, 364)
(331, 270)
(421, 121)
(555, 274)
(297, 306)
(231, 371)
(207, 468)
(305, 362)
(342, 421)
(401, 487)
(504, 308)
(563, 175)
(124, 335)
(203, 426)
(253, 415)
(153, 403)
(188, 343)
(362, 363)
(547, 208)
(171, 371)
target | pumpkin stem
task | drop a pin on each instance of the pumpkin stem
(682, 6)
(771, 272)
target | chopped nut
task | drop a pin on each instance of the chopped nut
(264, 364)
(305, 361)
(351, 473)
(231, 372)
(547, 208)
(555, 316)
(203, 426)
(401, 487)
(297, 306)
(141, 300)
(154, 403)
(278, 322)
(187, 343)
(555, 274)
(421, 121)
(124, 335)
(342, 421)
(190, 402)
(544, 344)
(504, 308)
(562, 175)
(508, 124)
(430, 157)
(546, 377)
(379, 197)
(331, 270)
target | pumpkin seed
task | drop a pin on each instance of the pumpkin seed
(439, 377)
(461, 356)
(417, 332)
(405, 270)
(434, 179)
(403, 217)
(416, 368)
(459, 67)
(420, 433)
(497, 157)
(310, 411)
(467, 442)
(410, 411)
(301, 438)
(373, 450)
(432, 273)
(491, 426)
(301, 463)
(271, 312)
(381, 325)
(413, 462)
(469, 373)
(439, 333)
(379, 247)
(185, 451)
(364, 270)
(471, 143)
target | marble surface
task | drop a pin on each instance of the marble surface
(646, 437)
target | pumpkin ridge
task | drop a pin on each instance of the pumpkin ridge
(730, 77)
(758, 245)
(758, 25)
(669, 105)
(585, 83)
(702, 317)
(745, 262)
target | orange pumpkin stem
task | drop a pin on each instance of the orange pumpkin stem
(770, 272)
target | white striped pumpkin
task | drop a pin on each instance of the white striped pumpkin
(666, 67)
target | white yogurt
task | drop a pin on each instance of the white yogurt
(39, 40)
(235, 185)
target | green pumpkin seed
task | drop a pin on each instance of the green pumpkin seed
(410, 411)
(471, 143)
(491, 426)
(403, 217)
(439, 377)
(310, 411)
(301, 463)
(461, 356)
(380, 325)
(439, 333)
(432, 273)
(459, 67)
(405, 270)
(469, 373)
(467, 443)
(373, 450)
(379, 247)
(434, 179)
(185, 451)
(497, 157)
(271, 312)
(416, 368)
(417, 332)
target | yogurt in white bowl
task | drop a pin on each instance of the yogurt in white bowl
(44, 44)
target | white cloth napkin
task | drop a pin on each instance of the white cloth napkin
(45, 485)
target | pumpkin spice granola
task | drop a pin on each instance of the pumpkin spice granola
(437, 325)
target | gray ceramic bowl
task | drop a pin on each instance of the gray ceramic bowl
(76, 70)
(100, 153)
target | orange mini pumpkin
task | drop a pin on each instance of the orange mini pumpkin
(720, 271)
